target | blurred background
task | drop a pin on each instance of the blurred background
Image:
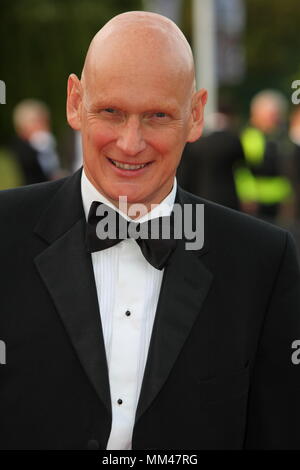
(247, 56)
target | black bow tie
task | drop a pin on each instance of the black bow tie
(108, 228)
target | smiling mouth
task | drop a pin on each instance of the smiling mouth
(127, 166)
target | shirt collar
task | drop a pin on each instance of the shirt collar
(89, 194)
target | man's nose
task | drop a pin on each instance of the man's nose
(130, 139)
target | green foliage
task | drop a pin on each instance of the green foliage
(10, 173)
(42, 42)
(272, 43)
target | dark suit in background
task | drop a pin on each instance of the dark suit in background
(219, 373)
(27, 159)
(206, 168)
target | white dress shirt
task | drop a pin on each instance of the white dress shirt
(128, 289)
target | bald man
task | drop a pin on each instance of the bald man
(139, 342)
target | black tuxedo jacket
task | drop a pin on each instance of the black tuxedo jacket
(219, 373)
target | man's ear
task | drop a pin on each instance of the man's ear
(74, 99)
(198, 104)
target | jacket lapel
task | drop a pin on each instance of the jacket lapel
(66, 269)
(185, 285)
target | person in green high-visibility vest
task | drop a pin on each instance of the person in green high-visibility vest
(262, 183)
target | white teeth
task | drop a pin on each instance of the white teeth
(125, 166)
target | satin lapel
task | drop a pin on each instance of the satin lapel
(185, 285)
(66, 269)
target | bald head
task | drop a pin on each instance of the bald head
(135, 39)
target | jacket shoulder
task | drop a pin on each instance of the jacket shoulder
(228, 227)
(27, 201)
(32, 193)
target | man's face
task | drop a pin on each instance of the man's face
(135, 121)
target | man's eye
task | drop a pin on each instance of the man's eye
(160, 115)
(111, 113)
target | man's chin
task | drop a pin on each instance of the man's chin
(129, 198)
(132, 193)
(126, 200)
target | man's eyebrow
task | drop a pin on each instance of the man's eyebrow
(161, 107)
(169, 108)
(104, 104)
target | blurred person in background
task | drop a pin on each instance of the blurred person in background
(294, 134)
(207, 165)
(34, 145)
(71, 148)
(264, 185)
